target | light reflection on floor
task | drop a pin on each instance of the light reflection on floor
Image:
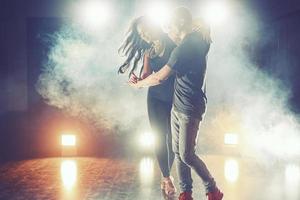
(136, 179)
(146, 172)
(231, 170)
(68, 171)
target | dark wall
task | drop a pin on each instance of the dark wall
(13, 62)
(28, 126)
(279, 53)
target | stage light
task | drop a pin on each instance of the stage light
(93, 13)
(215, 12)
(147, 140)
(68, 143)
(231, 170)
(158, 12)
(231, 139)
(68, 172)
(68, 139)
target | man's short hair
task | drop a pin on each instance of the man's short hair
(183, 16)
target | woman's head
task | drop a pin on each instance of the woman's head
(140, 36)
(149, 32)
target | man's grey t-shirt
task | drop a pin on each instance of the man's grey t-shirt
(188, 60)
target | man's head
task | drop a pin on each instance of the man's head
(181, 23)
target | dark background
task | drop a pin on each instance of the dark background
(23, 114)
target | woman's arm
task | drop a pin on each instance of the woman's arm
(147, 71)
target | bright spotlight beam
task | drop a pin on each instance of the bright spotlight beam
(215, 12)
(93, 13)
(158, 13)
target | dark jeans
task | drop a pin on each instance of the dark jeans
(159, 113)
(184, 134)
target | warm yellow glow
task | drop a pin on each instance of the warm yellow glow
(147, 140)
(68, 171)
(231, 170)
(146, 170)
(231, 139)
(68, 140)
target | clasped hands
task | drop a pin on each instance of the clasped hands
(134, 81)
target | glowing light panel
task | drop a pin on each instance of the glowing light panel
(68, 140)
(231, 139)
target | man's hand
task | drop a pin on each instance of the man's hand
(145, 75)
(134, 85)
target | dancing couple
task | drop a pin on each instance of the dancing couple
(174, 68)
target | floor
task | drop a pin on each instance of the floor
(138, 179)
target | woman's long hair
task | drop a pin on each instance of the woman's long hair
(133, 48)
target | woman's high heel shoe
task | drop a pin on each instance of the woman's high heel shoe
(168, 188)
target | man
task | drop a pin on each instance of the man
(188, 61)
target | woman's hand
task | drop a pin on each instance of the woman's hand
(133, 81)
(133, 78)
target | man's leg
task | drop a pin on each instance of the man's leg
(187, 147)
(183, 170)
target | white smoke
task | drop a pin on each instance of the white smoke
(255, 101)
(81, 78)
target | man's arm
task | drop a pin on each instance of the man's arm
(163, 74)
(155, 78)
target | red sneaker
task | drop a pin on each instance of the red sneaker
(215, 195)
(185, 196)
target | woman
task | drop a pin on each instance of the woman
(147, 42)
